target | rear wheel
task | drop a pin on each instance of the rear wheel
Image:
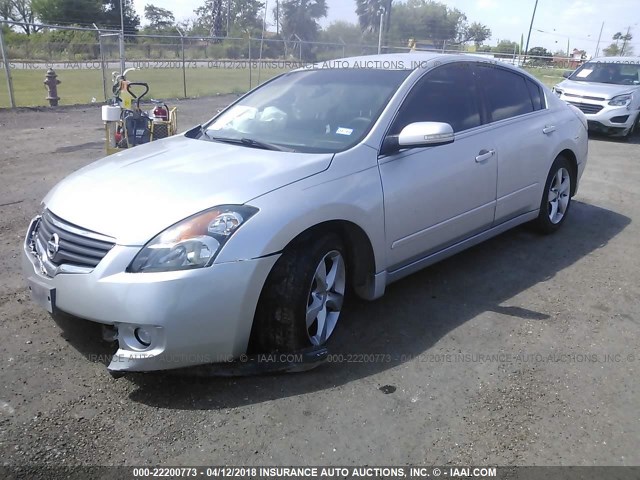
(302, 299)
(556, 198)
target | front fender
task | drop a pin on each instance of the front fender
(284, 214)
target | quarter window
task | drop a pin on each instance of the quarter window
(447, 94)
(506, 92)
(536, 95)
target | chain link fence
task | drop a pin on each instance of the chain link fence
(84, 60)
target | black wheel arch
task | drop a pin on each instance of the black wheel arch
(361, 263)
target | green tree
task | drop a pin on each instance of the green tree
(426, 20)
(617, 36)
(19, 11)
(476, 33)
(63, 12)
(540, 56)
(160, 19)
(342, 32)
(612, 50)
(625, 46)
(209, 18)
(506, 49)
(111, 15)
(105, 13)
(242, 16)
(369, 12)
(5, 9)
(299, 20)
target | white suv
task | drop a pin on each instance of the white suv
(607, 90)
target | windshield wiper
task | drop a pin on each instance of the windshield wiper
(249, 142)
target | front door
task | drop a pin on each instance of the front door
(437, 196)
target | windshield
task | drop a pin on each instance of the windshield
(614, 73)
(312, 111)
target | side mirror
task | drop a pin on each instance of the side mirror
(417, 135)
(567, 74)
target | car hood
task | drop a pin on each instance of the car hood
(135, 194)
(605, 91)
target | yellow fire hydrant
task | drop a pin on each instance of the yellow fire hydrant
(51, 82)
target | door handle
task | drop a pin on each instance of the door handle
(485, 155)
(549, 129)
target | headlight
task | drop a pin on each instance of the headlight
(621, 100)
(557, 91)
(193, 242)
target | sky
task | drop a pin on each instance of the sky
(557, 22)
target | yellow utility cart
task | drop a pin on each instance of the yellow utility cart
(127, 125)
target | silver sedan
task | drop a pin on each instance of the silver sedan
(246, 234)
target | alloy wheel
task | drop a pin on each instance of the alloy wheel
(559, 195)
(326, 296)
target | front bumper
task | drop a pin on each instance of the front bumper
(193, 317)
(604, 118)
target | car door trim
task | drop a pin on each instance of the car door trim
(396, 273)
(416, 235)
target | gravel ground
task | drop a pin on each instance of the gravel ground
(521, 351)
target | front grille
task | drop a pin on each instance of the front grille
(66, 244)
(586, 97)
(587, 107)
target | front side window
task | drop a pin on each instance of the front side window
(314, 111)
(614, 73)
(447, 94)
(506, 92)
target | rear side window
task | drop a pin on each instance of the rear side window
(506, 92)
(446, 94)
(536, 95)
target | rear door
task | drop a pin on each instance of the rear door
(524, 132)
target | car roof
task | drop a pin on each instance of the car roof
(403, 61)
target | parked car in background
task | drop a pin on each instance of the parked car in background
(607, 90)
(243, 235)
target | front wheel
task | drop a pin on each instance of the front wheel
(301, 301)
(556, 198)
(634, 128)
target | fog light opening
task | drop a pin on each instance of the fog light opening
(621, 119)
(142, 336)
(109, 333)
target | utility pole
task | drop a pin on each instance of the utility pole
(228, 15)
(388, 24)
(184, 72)
(277, 17)
(104, 81)
(7, 71)
(626, 39)
(122, 62)
(599, 38)
(382, 12)
(530, 27)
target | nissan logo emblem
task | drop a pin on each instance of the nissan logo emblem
(53, 245)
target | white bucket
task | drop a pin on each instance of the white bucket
(110, 113)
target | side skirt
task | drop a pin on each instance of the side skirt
(381, 280)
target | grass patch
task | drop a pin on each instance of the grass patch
(81, 86)
(548, 76)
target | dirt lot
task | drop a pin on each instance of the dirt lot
(523, 350)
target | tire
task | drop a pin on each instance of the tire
(556, 197)
(633, 129)
(294, 305)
